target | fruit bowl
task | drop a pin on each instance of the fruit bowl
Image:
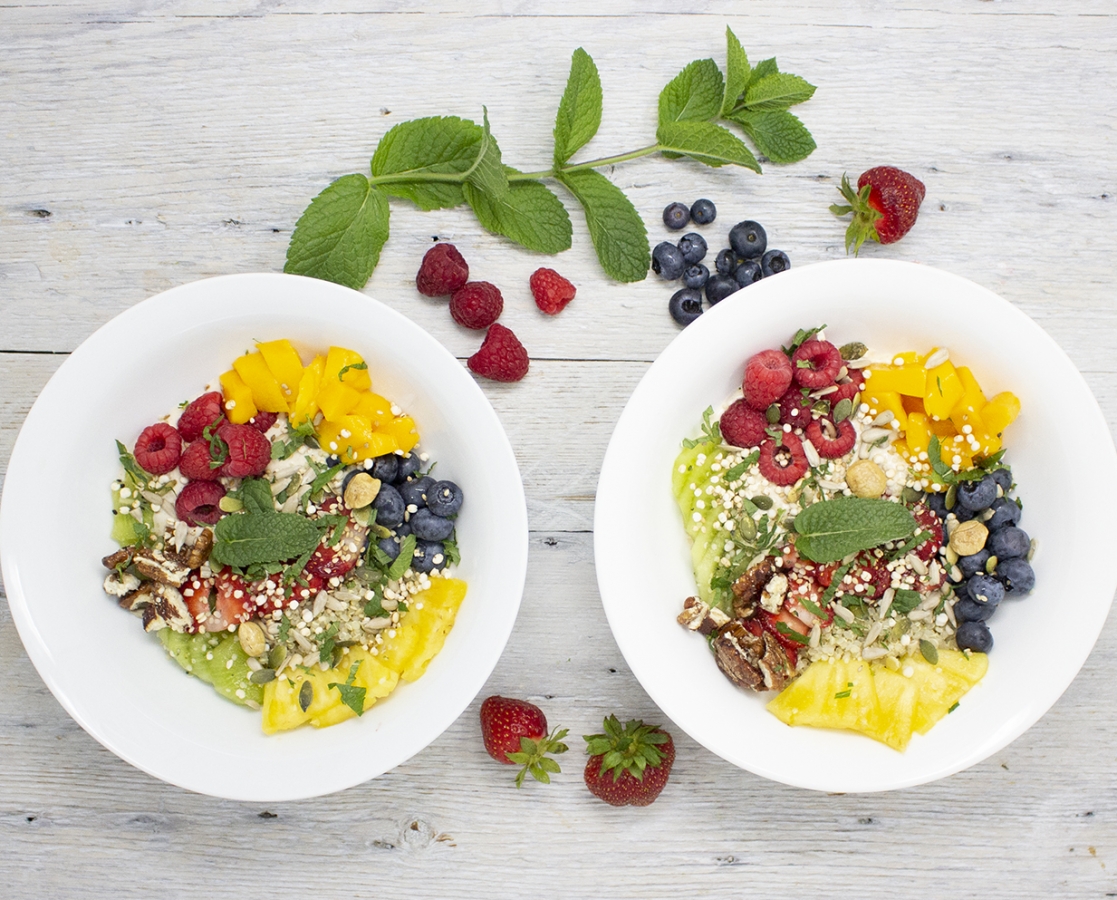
(643, 558)
(115, 680)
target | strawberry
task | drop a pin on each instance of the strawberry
(551, 291)
(515, 733)
(233, 602)
(629, 765)
(884, 206)
(195, 594)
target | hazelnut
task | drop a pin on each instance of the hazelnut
(361, 490)
(968, 538)
(866, 479)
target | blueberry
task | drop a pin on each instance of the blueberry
(693, 247)
(428, 555)
(726, 262)
(1017, 575)
(749, 239)
(445, 498)
(936, 502)
(971, 565)
(985, 589)
(402, 531)
(1009, 542)
(1005, 512)
(696, 276)
(969, 610)
(389, 507)
(977, 495)
(385, 468)
(974, 636)
(718, 287)
(332, 460)
(961, 513)
(676, 216)
(426, 526)
(408, 466)
(773, 262)
(1003, 477)
(748, 273)
(667, 261)
(389, 546)
(414, 493)
(703, 212)
(685, 305)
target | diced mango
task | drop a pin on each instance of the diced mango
(348, 367)
(306, 401)
(346, 436)
(909, 358)
(286, 365)
(423, 628)
(944, 428)
(879, 401)
(403, 430)
(908, 380)
(943, 390)
(239, 407)
(913, 404)
(336, 399)
(1000, 412)
(918, 434)
(375, 408)
(266, 392)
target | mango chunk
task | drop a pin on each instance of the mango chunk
(266, 392)
(908, 380)
(285, 364)
(403, 430)
(347, 367)
(306, 400)
(239, 407)
(879, 401)
(352, 438)
(1000, 412)
(918, 433)
(375, 408)
(943, 390)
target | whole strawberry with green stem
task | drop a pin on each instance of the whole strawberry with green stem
(884, 206)
(628, 765)
(515, 733)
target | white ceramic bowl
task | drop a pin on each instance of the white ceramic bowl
(115, 680)
(1060, 451)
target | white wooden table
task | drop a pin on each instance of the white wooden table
(146, 144)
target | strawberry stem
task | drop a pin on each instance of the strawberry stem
(533, 757)
(863, 225)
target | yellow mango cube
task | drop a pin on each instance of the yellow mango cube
(239, 407)
(879, 401)
(353, 439)
(336, 399)
(266, 392)
(306, 400)
(1000, 412)
(375, 408)
(918, 434)
(943, 390)
(907, 380)
(403, 430)
(348, 367)
(285, 364)
(423, 628)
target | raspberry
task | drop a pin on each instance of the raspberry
(767, 376)
(502, 357)
(442, 271)
(816, 364)
(831, 440)
(262, 421)
(743, 426)
(204, 411)
(476, 304)
(195, 463)
(197, 504)
(158, 448)
(783, 464)
(249, 451)
(847, 390)
(551, 291)
(795, 409)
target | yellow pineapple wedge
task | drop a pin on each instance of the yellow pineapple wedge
(423, 628)
(830, 694)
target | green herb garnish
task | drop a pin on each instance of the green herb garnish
(831, 529)
(353, 697)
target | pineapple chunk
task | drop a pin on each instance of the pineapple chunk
(423, 628)
(896, 696)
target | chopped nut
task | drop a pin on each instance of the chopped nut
(199, 552)
(251, 637)
(748, 588)
(698, 616)
(165, 571)
(968, 538)
(753, 662)
(122, 557)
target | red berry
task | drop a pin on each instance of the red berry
(204, 411)
(640, 759)
(501, 357)
(442, 271)
(232, 602)
(195, 594)
(197, 504)
(249, 451)
(830, 439)
(476, 304)
(795, 409)
(785, 463)
(506, 724)
(551, 291)
(847, 390)
(767, 375)
(816, 364)
(195, 462)
(262, 421)
(931, 526)
(158, 448)
(889, 211)
(339, 560)
(743, 426)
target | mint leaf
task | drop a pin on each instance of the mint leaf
(437, 145)
(133, 468)
(529, 214)
(831, 529)
(616, 229)
(256, 496)
(353, 697)
(406, 554)
(778, 91)
(905, 601)
(778, 134)
(737, 72)
(694, 94)
(339, 236)
(763, 69)
(579, 112)
(486, 173)
(246, 539)
(707, 143)
(326, 643)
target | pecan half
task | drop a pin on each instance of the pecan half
(755, 662)
(697, 615)
(158, 568)
(748, 588)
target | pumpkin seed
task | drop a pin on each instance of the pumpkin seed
(306, 696)
(990, 565)
(951, 496)
(760, 501)
(843, 410)
(263, 676)
(930, 651)
(772, 414)
(853, 350)
(277, 656)
(911, 495)
(746, 528)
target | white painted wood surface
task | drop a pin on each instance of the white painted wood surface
(145, 143)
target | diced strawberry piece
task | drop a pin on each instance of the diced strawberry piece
(339, 560)
(770, 623)
(195, 594)
(233, 603)
(931, 526)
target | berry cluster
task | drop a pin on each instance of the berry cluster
(744, 262)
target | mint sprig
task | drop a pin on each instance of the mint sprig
(440, 162)
(831, 529)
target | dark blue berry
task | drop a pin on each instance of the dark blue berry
(974, 636)
(703, 212)
(696, 276)
(1017, 575)
(685, 306)
(748, 273)
(693, 247)
(385, 468)
(402, 531)
(749, 239)
(414, 493)
(969, 610)
(971, 565)
(1003, 477)
(428, 555)
(667, 261)
(985, 589)
(445, 498)
(977, 495)
(389, 546)
(726, 262)
(1009, 542)
(389, 507)
(332, 460)
(773, 262)
(936, 502)
(426, 526)
(961, 513)
(1005, 512)
(676, 216)
(408, 466)
(718, 287)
